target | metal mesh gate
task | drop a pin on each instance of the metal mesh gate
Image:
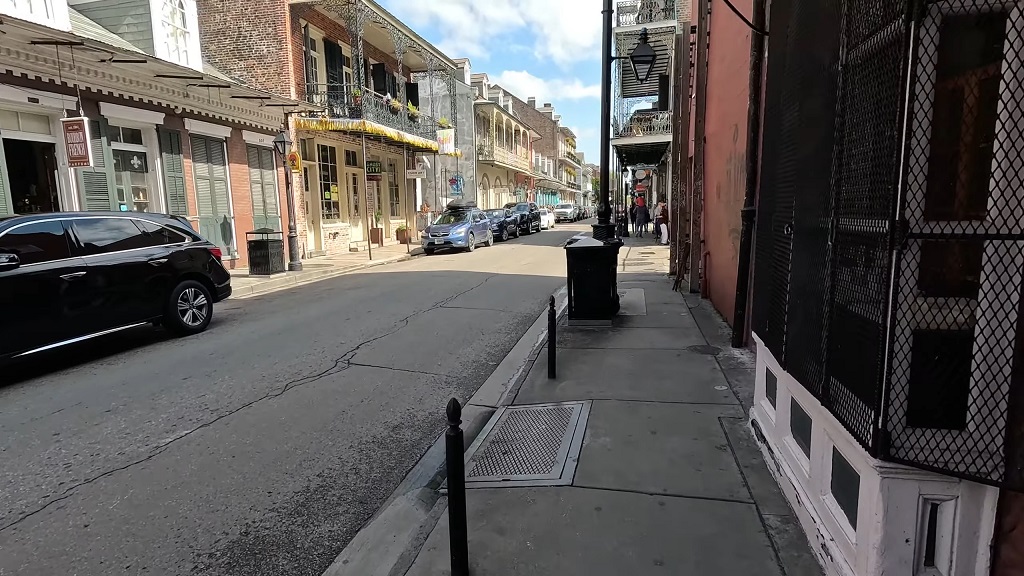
(890, 245)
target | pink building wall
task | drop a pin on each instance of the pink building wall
(725, 151)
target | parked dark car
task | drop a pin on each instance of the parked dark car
(461, 225)
(528, 214)
(504, 223)
(69, 277)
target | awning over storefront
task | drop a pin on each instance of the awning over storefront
(416, 143)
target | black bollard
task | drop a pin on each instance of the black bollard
(458, 532)
(552, 336)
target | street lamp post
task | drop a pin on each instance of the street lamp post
(282, 143)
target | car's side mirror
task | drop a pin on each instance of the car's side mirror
(9, 261)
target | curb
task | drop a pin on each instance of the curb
(309, 277)
(389, 542)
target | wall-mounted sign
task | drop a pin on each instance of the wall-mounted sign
(76, 141)
(294, 161)
(373, 171)
(416, 173)
(457, 184)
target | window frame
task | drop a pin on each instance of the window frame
(177, 36)
(394, 189)
(330, 210)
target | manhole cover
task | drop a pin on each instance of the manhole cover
(535, 445)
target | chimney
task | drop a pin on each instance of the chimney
(532, 102)
(547, 105)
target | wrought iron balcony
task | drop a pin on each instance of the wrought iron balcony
(489, 153)
(638, 12)
(349, 101)
(644, 123)
(570, 156)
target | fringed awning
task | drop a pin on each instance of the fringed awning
(365, 126)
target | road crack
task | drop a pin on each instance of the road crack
(339, 365)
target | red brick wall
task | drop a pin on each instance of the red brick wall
(336, 31)
(725, 151)
(248, 42)
(542, 124)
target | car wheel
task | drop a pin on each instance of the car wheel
(490, 239)
(471, 243)
(504, 234)
(189, 309)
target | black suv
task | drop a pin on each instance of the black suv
(69, 277)
(528, 214)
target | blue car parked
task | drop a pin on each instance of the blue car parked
(462, 225)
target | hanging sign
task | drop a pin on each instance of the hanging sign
(446, 141)
(76, 141)
(373, 171)
(416, 173)
(294, 161)
(457, 184)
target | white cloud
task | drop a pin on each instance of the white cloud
(564, 31)
(524, 85)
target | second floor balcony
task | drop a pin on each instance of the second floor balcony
(489, 153)
(642, 12)
(571, 157)
(351, 102)
(643, 123)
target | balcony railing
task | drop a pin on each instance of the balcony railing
(357, 103)
(637, 12)
(490, 153)
(567, 155)
(572, 185)
(646, 123)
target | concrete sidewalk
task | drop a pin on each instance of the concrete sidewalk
(635, 460)
(319, 268)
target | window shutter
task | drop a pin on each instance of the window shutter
(333, 61)
(174, 171)
(270, 198)
(380, 79)
(96, 184)
(259, 208)
(5, 189)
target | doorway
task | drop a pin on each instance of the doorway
(32, 174)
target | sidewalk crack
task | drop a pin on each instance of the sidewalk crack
(341, 364)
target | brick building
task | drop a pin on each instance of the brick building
(167, 132)
(362, 71)
(555, 142)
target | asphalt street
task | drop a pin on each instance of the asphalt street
(261, 446)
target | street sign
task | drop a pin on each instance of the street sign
(373, 171)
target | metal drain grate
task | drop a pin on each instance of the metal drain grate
(535, 445)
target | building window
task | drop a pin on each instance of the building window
(175, 31)
(351, 158)
(353, 193)
(121, 135)
(330, 195)
(313, 74)
(771, 386)
(800, 427)
(394, 196)
(845, 486)
(131, 181)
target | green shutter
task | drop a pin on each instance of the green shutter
(271, 199)
(5, 187)
(259, 207)
(174, 171)
(263, 186)
(209, 165)
(96, 184)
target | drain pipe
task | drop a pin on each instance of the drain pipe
(748, 214)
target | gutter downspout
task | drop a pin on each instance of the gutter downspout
(748, 214)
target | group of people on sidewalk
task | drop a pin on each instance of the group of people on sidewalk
(640, 216)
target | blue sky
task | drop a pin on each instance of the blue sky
(549, 49)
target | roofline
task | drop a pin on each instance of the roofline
(411, 33)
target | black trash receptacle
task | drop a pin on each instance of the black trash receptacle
(266, 252)
(592, 279)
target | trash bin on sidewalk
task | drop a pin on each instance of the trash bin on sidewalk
(592, 279)
(266, 252)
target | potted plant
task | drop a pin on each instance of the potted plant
(377, 233)
(414, 112)
(444, 123)
(357, 97)
(395, 105)
(402, 235)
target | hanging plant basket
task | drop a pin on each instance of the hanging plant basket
(395, 107)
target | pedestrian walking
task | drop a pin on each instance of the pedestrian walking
(661, 221)
(632, 216)
(642, 217)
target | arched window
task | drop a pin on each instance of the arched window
(175, 31)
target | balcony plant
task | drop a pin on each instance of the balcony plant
(357, 97)
(414, 112)
(444, 122)
(402, 234)
(394, 104)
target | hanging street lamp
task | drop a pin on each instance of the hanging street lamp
(282, 143)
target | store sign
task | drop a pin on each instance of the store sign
(416, 173)
(76, 142)
(373, 171)
(446, 141)
(294, 161)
